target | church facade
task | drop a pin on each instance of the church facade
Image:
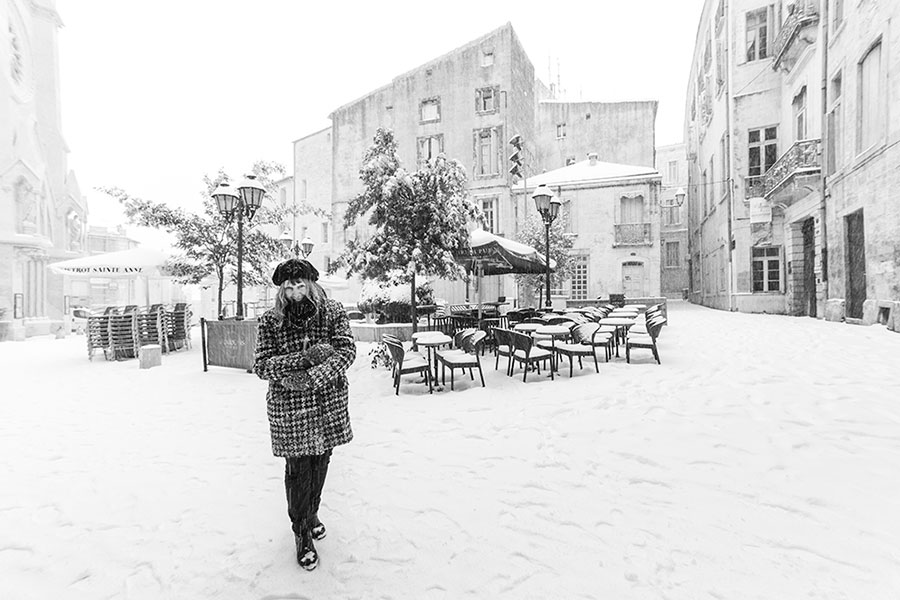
(42, 213)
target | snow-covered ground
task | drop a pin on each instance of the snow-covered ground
(760, 460)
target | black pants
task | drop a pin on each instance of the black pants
(304, 477)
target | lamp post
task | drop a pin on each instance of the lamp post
(548, 206)
(244, 201)
(304, 246)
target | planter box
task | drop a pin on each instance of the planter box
(371, 332)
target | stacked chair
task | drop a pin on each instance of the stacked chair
(644, 336)
(120, 333)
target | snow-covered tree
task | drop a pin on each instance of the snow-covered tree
(207, 241)
(418, 220)
(534, 235)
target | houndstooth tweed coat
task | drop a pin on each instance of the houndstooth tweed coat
(314, 420)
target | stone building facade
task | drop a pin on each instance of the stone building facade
(671, 163)
(611, 212)
(790, 145)
(467, 104)
(42, 213)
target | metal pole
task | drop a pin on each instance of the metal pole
(547, 246)
(240, 261)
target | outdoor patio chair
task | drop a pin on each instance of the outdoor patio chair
(467, 359)
(407, 365)
(457, 345)
(580, 346)
(642, 328)
(602, 337)
(647, 340)
(502, 347)
(528, 354)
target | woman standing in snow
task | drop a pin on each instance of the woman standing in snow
(304, 349)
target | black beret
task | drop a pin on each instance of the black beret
(294, 268)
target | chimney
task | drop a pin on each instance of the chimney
(592, 156)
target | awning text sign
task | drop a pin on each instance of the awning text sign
(100, 270)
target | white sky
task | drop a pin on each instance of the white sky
(156, 94)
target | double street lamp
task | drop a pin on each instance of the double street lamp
(304, 246)
(241, 202)
(548, 206)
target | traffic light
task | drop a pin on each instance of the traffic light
(517, 158)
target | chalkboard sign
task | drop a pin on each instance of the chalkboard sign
(229, 343)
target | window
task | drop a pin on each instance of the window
(486, 100)
(763, 150)
(767, 269)
(870, 102)
(325, 228)
(579, 281)
(560, 130)
(16, 60)
(723, 165)
(721, 71)
(713, 184)
(282, 197)
(837, 14)
(430, 110)
(703, 193)
(673, 255)
(757, 34)
(799, 108)
(834, 128)
(632, 209)
(427, 148)
(672, 215)
(487, 152)
(487, 58)
(673, 171)
(489, 208)
(327, 263)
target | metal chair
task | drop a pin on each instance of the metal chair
(407, 365)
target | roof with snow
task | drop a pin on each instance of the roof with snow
(588, 171)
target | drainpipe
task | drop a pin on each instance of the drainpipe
(825, 158)
(729, 164)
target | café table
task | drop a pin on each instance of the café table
(621, 324)
(436, 340)
(527, 327)
(555, 332)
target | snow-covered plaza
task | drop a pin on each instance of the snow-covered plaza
(760, 460)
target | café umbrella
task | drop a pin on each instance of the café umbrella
(125, 264)
(490, 254)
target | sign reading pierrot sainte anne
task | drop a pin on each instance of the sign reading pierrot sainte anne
(103, 270)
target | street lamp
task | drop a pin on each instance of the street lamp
(304, 246)
(548, 206)
(679, 199)
(244, 201)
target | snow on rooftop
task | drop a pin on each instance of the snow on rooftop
(588, 171)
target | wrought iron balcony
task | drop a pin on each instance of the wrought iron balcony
(633, 234)
(802, 159)
(806, 12)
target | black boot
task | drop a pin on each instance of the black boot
(318, 529)
(307, 557)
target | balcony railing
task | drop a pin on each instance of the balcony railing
(803, 157)
(806, 12)
(633, 234)
(754, 186)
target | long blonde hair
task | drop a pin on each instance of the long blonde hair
(314, 292)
